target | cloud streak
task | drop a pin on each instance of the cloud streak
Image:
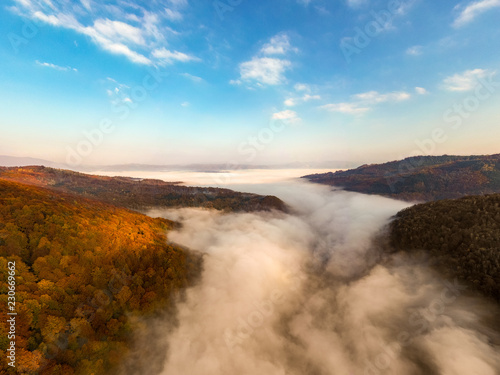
(365, 101)
(473, 10)
(347, 108)
(130, 30)
(166, 56)
(465, 81)
(56, 67)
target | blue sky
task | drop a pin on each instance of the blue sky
(240, 81)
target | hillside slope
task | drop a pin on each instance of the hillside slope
(461, 235)
(424, 178)
(84, 269)
(140, 194)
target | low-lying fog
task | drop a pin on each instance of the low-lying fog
(309, 293)
(223, 179)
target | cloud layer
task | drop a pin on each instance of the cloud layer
(309, 293)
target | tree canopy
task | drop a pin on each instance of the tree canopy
(421, 178)
(462, 235)
(83, 269)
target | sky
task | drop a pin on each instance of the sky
(248, 82)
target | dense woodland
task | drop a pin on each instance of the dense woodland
(140, 194)
(422, 178)
(84, 270)
(462, 236)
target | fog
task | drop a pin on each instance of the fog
(310, 292)
(224, 179)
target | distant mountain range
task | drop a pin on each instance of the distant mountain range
(12, 161)
(139, 194)
(221, 167)
(422, 178)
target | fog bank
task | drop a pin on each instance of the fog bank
(309, 293)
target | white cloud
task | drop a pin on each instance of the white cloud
(405, 7)
(302, 87)
(348, 108)
(121, 49)
(374, 97)
(56, 67)
(414, 51)
(287, 116)
(291, 102)
(421, 91)
(61, 19)
(185, 104)
(278, 45)
(473, 10)
(308, 97)
(465, 81)
(264, 70)
(134, 34)
(173, 15)
(168, 57)
(87, 4)
(193, 78)
(363, 102)
(119, 31)
(112, 36)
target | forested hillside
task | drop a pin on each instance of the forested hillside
(83, 270)
(140, 194)
(422, 178)
(462, 236)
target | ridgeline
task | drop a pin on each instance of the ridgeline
(421, 178)
(140, 194)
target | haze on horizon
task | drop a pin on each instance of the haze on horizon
(190, 81)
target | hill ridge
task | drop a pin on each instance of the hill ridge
(140, 194)
(421, 178)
